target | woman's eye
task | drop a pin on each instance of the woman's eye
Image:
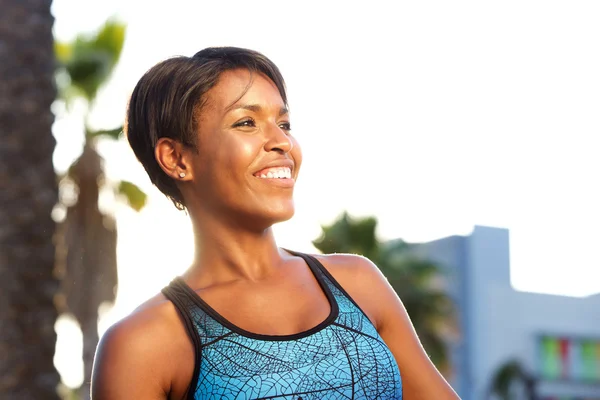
(245, 123)
(285, 126)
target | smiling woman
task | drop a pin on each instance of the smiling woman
(248, 319)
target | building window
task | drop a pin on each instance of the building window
(567, 358)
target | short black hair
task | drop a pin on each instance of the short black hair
(167, 99)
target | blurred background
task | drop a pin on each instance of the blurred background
(453, 143)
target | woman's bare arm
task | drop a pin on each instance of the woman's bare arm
(126, 367)
(145, 356)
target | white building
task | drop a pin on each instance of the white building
(556, 338)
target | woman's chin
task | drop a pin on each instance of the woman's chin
(285, 217)
(282, 215)
(278, 214)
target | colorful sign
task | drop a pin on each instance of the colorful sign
(570, 398)
(564, 358)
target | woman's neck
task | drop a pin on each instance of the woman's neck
(225, 252)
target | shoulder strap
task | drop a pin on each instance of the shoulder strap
(176, 293)
(312, 262)
(329, 279)
(319, 269)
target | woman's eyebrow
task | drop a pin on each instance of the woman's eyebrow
(256, 108)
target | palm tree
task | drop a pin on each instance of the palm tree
(28, 193)
(511, 382)
(87, 237)
(428, 306)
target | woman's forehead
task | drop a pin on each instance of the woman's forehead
(242, 86)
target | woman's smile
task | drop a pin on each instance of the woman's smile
(278, 173)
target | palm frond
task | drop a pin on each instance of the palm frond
(90, 59)
(506, 376)
(349, 235)
(115, 133)
(135, 197)
(111, 39)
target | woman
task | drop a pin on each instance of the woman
(248, 319)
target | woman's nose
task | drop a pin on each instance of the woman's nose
(279, 140)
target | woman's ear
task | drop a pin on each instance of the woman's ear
(174, 159)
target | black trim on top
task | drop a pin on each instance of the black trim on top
(172, 292)
(333, 313)
(322, 268)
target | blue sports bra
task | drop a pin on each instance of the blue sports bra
(341, 358)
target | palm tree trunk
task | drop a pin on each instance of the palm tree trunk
(87, 262)
(28, 192)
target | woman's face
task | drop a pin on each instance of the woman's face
(247, 161)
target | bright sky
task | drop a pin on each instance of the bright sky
(433, 116)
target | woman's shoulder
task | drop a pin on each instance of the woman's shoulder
(151, 321)
(351, 268)
(359, 277)
(149, 344)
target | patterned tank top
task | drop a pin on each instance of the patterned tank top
(343, 357)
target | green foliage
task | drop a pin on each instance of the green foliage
(115, 134)
(85, 64)
(504, 377)
(348, 235)
(63, 51)
(413, 279)
(89, 60)
(510, 376)
(110, 39)
(136, 198)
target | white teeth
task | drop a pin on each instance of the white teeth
(278, 173)
(284, 173)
